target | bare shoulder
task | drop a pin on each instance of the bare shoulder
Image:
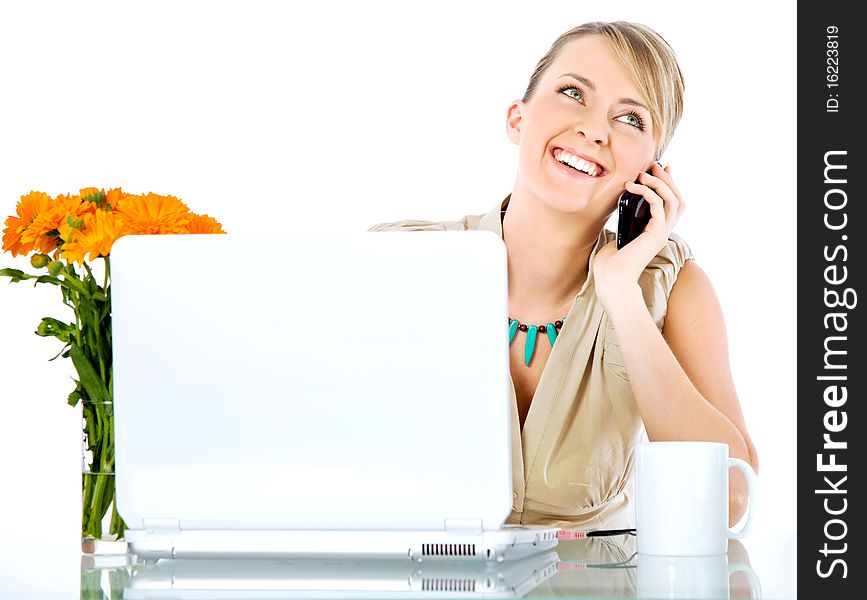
(692, 290)
(694, 318)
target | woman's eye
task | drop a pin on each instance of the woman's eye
(632, 119)
(573, 93)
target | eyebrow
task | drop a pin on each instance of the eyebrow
(592, 87)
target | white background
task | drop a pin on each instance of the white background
(278, 116)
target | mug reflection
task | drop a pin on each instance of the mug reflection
(612, 568)
(720, 576)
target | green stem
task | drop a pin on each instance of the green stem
(75, 299)
(96, 513)
(117, 525)
(92, 517)
(106, 275)
(106, 463)
(86, 500)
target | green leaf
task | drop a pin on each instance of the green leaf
(48, 279)
(74, 397)
(75, 285)
(52, 327)
(93, 385)
(15, 275)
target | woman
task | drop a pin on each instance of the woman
(640, 341)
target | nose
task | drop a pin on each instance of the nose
(594, 127)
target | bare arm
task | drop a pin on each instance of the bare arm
(682, 378)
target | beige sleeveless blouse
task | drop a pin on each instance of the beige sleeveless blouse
(572, 464)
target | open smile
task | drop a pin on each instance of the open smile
(576, 164)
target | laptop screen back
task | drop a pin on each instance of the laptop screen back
(311, 381)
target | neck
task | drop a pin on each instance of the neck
(548, 252)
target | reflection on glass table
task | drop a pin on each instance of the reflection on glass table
(612, 568)
(596, 567)
(273, 578)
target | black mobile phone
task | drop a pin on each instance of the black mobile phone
(633, 215)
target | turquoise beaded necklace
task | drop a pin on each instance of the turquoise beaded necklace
(532, 331)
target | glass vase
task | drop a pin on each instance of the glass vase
(102, 528)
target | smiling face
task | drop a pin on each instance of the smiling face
(584, 133)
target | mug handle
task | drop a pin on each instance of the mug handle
(752, 487)
(752, 579)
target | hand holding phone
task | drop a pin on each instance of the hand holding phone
(633, 215)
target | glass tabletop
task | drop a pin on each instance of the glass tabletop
(595, 567)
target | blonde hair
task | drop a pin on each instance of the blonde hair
(648, 59)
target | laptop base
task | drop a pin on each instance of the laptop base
(509, 542)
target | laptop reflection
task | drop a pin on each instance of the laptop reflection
(345, 579)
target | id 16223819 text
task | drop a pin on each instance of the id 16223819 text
(832, 68)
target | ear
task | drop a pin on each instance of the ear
(514, 121)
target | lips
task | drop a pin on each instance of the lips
(577, 164)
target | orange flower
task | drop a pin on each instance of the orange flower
(28, 209)
(113, 197)
(153, 214)
(204, 224)
(100, 230)
(55, 222)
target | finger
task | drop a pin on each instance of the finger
(670, 198)
(665, 174)
(664, 214)
(659, 185)
(662, 180)
(656, 203)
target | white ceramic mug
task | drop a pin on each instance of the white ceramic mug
(691, 577)
(682, 498)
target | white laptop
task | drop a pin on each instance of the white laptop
(179, 578)
(315, 395)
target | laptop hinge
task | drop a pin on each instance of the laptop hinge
(464, 525)
(162, 525)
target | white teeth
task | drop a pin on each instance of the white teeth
(575, 162)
